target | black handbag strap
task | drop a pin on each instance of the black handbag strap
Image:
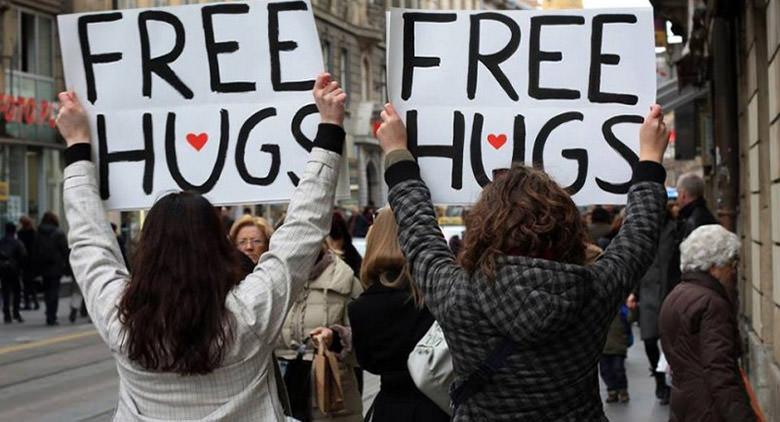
(476, 380)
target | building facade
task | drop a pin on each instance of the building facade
(731, 55)
(30, 77)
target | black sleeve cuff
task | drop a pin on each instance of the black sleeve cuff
(330, 137)
(649, 171)
(336, 346)
(78, 152)
(401, 171)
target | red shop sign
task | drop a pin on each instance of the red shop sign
(28, 111)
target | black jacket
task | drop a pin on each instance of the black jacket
(51, 251)
(27, 236)
(386, 325)
(694, 215)
(659, 280)
(13, 255)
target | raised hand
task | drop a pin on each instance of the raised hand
(392, 132)
(653, 136)
(72, 120)
(330, 99)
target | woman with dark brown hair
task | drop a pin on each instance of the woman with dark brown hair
(524, 317)
(191, 339)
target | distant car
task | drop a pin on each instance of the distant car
(448, 231)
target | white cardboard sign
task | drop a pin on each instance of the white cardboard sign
(210, 98)
(563, 90)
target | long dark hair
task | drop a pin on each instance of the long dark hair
(173, 310)
(522, 212)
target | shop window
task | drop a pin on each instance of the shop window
(35, 53)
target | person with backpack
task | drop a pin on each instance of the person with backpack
(524, 317)
(12, 255)
(51, 260)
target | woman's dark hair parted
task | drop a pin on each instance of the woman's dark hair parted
(173, 310)
(523, 212)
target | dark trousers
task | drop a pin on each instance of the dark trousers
(613, 372)
(29, 291)
(51, 294)
(653, 353)
(11, 293)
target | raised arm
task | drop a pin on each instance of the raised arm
(266, 294)
(630, 254)
(432, 262)
(97, 263)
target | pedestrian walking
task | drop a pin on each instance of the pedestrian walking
(321, 305)
(693, 212)
(12, 255)
(612, 365)
(600, 224)
(30, 287)
(192, 339)
(51, 260)
(653, 288)
(700, 332)
(524, 318)
(388, 320)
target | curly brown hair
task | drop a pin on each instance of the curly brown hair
(522, 212)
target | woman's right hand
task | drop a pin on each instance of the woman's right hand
(72, 120)
(392, 132)
(330, 100)
(653, 136)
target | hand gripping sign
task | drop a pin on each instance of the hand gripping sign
(565, 91)
(209, 98)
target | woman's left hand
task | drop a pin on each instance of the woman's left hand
(322, 335)
(72, 120)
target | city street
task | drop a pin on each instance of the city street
(66, 373)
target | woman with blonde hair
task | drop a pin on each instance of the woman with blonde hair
(251, 235)
(525, 317)
(388, 320)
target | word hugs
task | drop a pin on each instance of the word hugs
(210, 98)
(565, 91)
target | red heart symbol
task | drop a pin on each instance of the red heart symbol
(497, 141)
(197, 141)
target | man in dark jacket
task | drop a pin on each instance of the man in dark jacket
(700, 335)
(12, 254)
(29, 288)
(51, 258)
(693, 208)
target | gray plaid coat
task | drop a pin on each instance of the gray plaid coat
(558, 314)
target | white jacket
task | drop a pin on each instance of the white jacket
(243, 388)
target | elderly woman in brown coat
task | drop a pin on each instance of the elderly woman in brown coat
(699, 332)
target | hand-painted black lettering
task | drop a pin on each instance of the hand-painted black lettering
(410, 60)
(297, 126)
(475, 149)
(627, 153)
(277, 47)
(160, 64)
(518, 140)
(494, 60)
(595, 95)
(537, 56)
(173, 163)
(541, 138)
(453, 152)
(90, 59)
(581, 156)
(243, 138)
(293, 178)
(105, 158)
(214, 49)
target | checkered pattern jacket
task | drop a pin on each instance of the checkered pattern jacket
(557, 314)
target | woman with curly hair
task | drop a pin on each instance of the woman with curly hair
(524, 317)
